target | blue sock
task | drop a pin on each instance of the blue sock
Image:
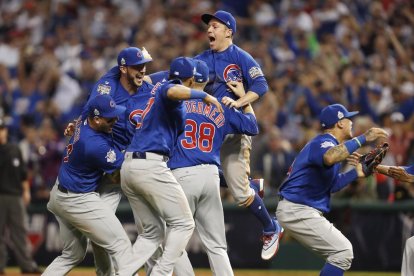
(331, 270)
(259, 210)
(254, 187)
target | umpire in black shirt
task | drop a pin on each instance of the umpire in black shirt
(14, 197)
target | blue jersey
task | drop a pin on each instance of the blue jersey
(111, 85)
(204, 133)
(88, 155)
(161, 76)
(233, 64)
(310, 181)
(409, 169)
(161, 126)
(137, 108)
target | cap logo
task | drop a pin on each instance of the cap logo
(139, 55)
(340, 115)
(176, 73)
(123, 61)
(96, 112)
(146, 53)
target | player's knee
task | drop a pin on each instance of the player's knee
(75, 257)
(154, 232)
(343, 258)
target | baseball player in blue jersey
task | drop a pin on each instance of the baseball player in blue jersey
(229, 63)
(195, 161)
(153, 193)
(123, 82)
(313, 176)
(80, 211)
(403, 174)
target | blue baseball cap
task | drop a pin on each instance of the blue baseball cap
(104, 106)
(132, 56)
(224, 17)
(202, 69)
(183, 68)
(333, 113)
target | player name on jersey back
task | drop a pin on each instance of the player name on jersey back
(210, 111)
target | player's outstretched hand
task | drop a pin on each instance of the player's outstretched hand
(213, 100)
(400, 174)
(375, 133)
(69, 130)
(237, 88)
(353, 159)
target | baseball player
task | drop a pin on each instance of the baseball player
(122, 82)
(203, 70)
(404, 174)
(312, 177)
(152, 191)
(80, 211)
(195, 161)
(226, 63)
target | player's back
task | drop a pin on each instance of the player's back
(205, 131)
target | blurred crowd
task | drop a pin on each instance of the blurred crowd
(356, 52)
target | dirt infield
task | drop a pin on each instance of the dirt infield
(205, 272)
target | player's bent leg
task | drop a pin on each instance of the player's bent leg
(235, 162)
(111, 194)
(151, 228)
(74, 250)
(308, 226)
(407, 267)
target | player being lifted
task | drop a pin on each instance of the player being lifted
(228, 63)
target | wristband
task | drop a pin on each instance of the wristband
(197, 94)
(355, 143)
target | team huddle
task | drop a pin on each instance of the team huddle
(166, 141)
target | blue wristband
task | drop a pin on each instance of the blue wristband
(197, 94)
(355, 143)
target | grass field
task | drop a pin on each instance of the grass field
(205, 272)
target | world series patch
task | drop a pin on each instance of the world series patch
(104, 89)
(255, 72)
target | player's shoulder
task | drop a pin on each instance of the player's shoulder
(204, 55)
(236, 50)
(324, 141)
(108, 82)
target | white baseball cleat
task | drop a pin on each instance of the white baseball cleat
(271, 242)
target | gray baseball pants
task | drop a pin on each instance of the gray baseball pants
(201, 185)
(155, 196)
(82, 217)
(407, 268)
(235, 162)
(308, 226)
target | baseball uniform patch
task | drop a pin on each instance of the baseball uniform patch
(255, 72)
(327, 144)
(110, 156)
(104, 88)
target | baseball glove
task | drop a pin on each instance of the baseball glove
(373, 158)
